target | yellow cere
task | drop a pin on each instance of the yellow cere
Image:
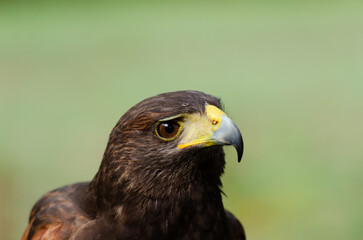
(198, 129)
(215, 115)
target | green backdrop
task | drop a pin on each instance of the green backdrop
(290, 75)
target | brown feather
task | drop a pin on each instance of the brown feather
(145, 188)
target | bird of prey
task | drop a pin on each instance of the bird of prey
(159, 178)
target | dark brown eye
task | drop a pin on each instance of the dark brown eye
(168, 130)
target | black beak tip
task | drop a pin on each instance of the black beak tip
(240, 153)
(239, 147)
(239, 157)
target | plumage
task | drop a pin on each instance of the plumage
(159, 178)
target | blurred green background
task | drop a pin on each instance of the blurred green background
(289, 73)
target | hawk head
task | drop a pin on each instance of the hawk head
(166, 147)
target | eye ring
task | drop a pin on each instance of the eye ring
(168, 130)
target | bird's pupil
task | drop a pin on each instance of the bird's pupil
(169, 128)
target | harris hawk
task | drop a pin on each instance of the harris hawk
(159, 178)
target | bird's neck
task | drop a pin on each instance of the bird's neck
(170, 218)
(192, 208)
(161, 202)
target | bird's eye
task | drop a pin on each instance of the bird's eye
(168, 130)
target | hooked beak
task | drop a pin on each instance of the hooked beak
(229, 134)
(217, 129)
